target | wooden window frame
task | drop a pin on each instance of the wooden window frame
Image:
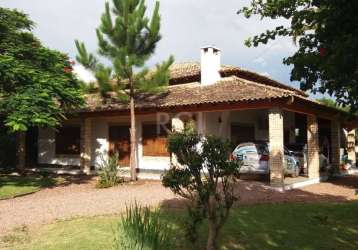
(160, 139)
(60, 149)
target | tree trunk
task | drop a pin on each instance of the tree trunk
(21, 148)
(133, 138)
(212, 235)
(212, 225)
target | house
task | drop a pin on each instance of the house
(226, 101)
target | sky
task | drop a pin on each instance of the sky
(187, 25)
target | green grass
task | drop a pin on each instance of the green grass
(280, 226)
(11, 186)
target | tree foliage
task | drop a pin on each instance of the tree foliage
(205, 177)
(127, 38)
(332, 104)
(327, 36)
(37, 86)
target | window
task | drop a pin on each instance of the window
(154, 140)
(68, 141)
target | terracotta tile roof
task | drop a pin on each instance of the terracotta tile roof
(190, 72)
(228, 89)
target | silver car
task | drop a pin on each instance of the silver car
(301, 155)
(255, 157)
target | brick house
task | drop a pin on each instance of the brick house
(226, 101)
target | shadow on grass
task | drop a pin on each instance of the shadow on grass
(279, 226)
(14, 185)
(268, 219)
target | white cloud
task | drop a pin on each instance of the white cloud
(260, 60)
(83, 74)
(187, 25)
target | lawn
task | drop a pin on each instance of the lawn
(280, 226)
(11, 186)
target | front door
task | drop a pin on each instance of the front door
(119, 142)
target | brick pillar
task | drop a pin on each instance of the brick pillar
(86, 149)
(335, 141)
(276, 146)
(21, 150)
(351, 146)
(312, 147)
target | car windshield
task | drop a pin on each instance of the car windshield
(245, 149)
(259, 148)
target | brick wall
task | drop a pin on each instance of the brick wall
(335, 141)
(276, 146)
(351, 147)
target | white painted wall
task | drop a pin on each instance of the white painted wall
(100, 145)
(217, 123)
(47, 150)
(100, 142)
(244, 117)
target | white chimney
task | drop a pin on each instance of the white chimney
(210, 65)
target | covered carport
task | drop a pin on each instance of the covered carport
(322, 124)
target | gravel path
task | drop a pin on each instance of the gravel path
(82, 199)
(76, 200)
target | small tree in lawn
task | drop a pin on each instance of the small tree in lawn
(205, 177)
(127, 38)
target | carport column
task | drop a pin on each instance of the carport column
(86, 138)
(21, 150)
(336, 143)
(351, 147)
(312, 146)
(276, 146)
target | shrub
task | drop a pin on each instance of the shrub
(108, 172)
(205, 177)
(142, 229)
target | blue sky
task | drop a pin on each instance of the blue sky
(187, 25)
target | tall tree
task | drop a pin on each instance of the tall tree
(37, 86)
(327, 36)
(127, 38)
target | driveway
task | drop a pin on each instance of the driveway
(82, 199)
